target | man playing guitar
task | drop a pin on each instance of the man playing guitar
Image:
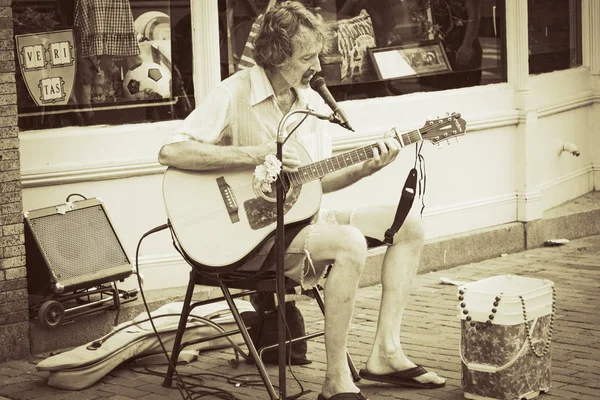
(236, 126)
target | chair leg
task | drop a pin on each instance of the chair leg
(251, 348)
(319, 298)
(185, 312)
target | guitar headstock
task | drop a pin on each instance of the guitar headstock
(440, 129)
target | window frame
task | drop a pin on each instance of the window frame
(517, 45)
(199, 19)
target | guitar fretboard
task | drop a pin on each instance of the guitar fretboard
(321, 168)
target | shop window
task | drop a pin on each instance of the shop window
(388, 47)
(91, 62)
(554, 35)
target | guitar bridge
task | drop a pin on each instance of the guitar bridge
(228, 199)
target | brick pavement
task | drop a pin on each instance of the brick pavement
(431, 335)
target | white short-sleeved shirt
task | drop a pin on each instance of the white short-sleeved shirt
(242, 111)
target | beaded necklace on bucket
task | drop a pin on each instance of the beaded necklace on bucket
(494, 310)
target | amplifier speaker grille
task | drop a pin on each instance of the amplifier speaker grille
(74, 248)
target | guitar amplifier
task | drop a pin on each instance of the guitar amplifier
(72, 246)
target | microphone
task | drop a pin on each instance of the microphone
(317, 83)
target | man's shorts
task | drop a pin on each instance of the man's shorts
(299, 265)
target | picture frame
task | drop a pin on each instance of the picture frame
(418, 59)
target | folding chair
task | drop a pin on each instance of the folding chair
(248, 282)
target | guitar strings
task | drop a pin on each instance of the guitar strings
(320, 168)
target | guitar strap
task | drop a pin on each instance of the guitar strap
(404, 206)
(407, 198)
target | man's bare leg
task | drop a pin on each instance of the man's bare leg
(345, 247)
(398, 270)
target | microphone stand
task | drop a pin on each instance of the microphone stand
(280, 246)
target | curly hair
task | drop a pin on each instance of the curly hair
(273, 43)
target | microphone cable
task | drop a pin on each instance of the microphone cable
(420, 159)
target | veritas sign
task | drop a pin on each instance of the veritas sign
(47, 61)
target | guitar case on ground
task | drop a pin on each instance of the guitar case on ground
(83, 366)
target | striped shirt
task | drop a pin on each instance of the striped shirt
(242, 111)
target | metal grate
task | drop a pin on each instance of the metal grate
(79, 242)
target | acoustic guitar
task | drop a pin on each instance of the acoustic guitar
(222, 217)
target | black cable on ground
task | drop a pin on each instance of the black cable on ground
(182, 388)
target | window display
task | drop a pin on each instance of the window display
(413, 59)
(466, 37)
(89, 62)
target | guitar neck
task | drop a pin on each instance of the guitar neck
(319, 169)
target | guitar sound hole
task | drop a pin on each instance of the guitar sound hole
(262, 212)
(269, 191)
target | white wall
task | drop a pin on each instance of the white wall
(565, 103)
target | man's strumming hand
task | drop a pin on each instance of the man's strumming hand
(291, 159)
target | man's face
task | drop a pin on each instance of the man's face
(299, 69)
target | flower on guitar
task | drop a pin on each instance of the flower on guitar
(267, 172)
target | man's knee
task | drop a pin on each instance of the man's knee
(351, 246)
(412, 230)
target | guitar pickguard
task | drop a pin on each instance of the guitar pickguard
(262, 213)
